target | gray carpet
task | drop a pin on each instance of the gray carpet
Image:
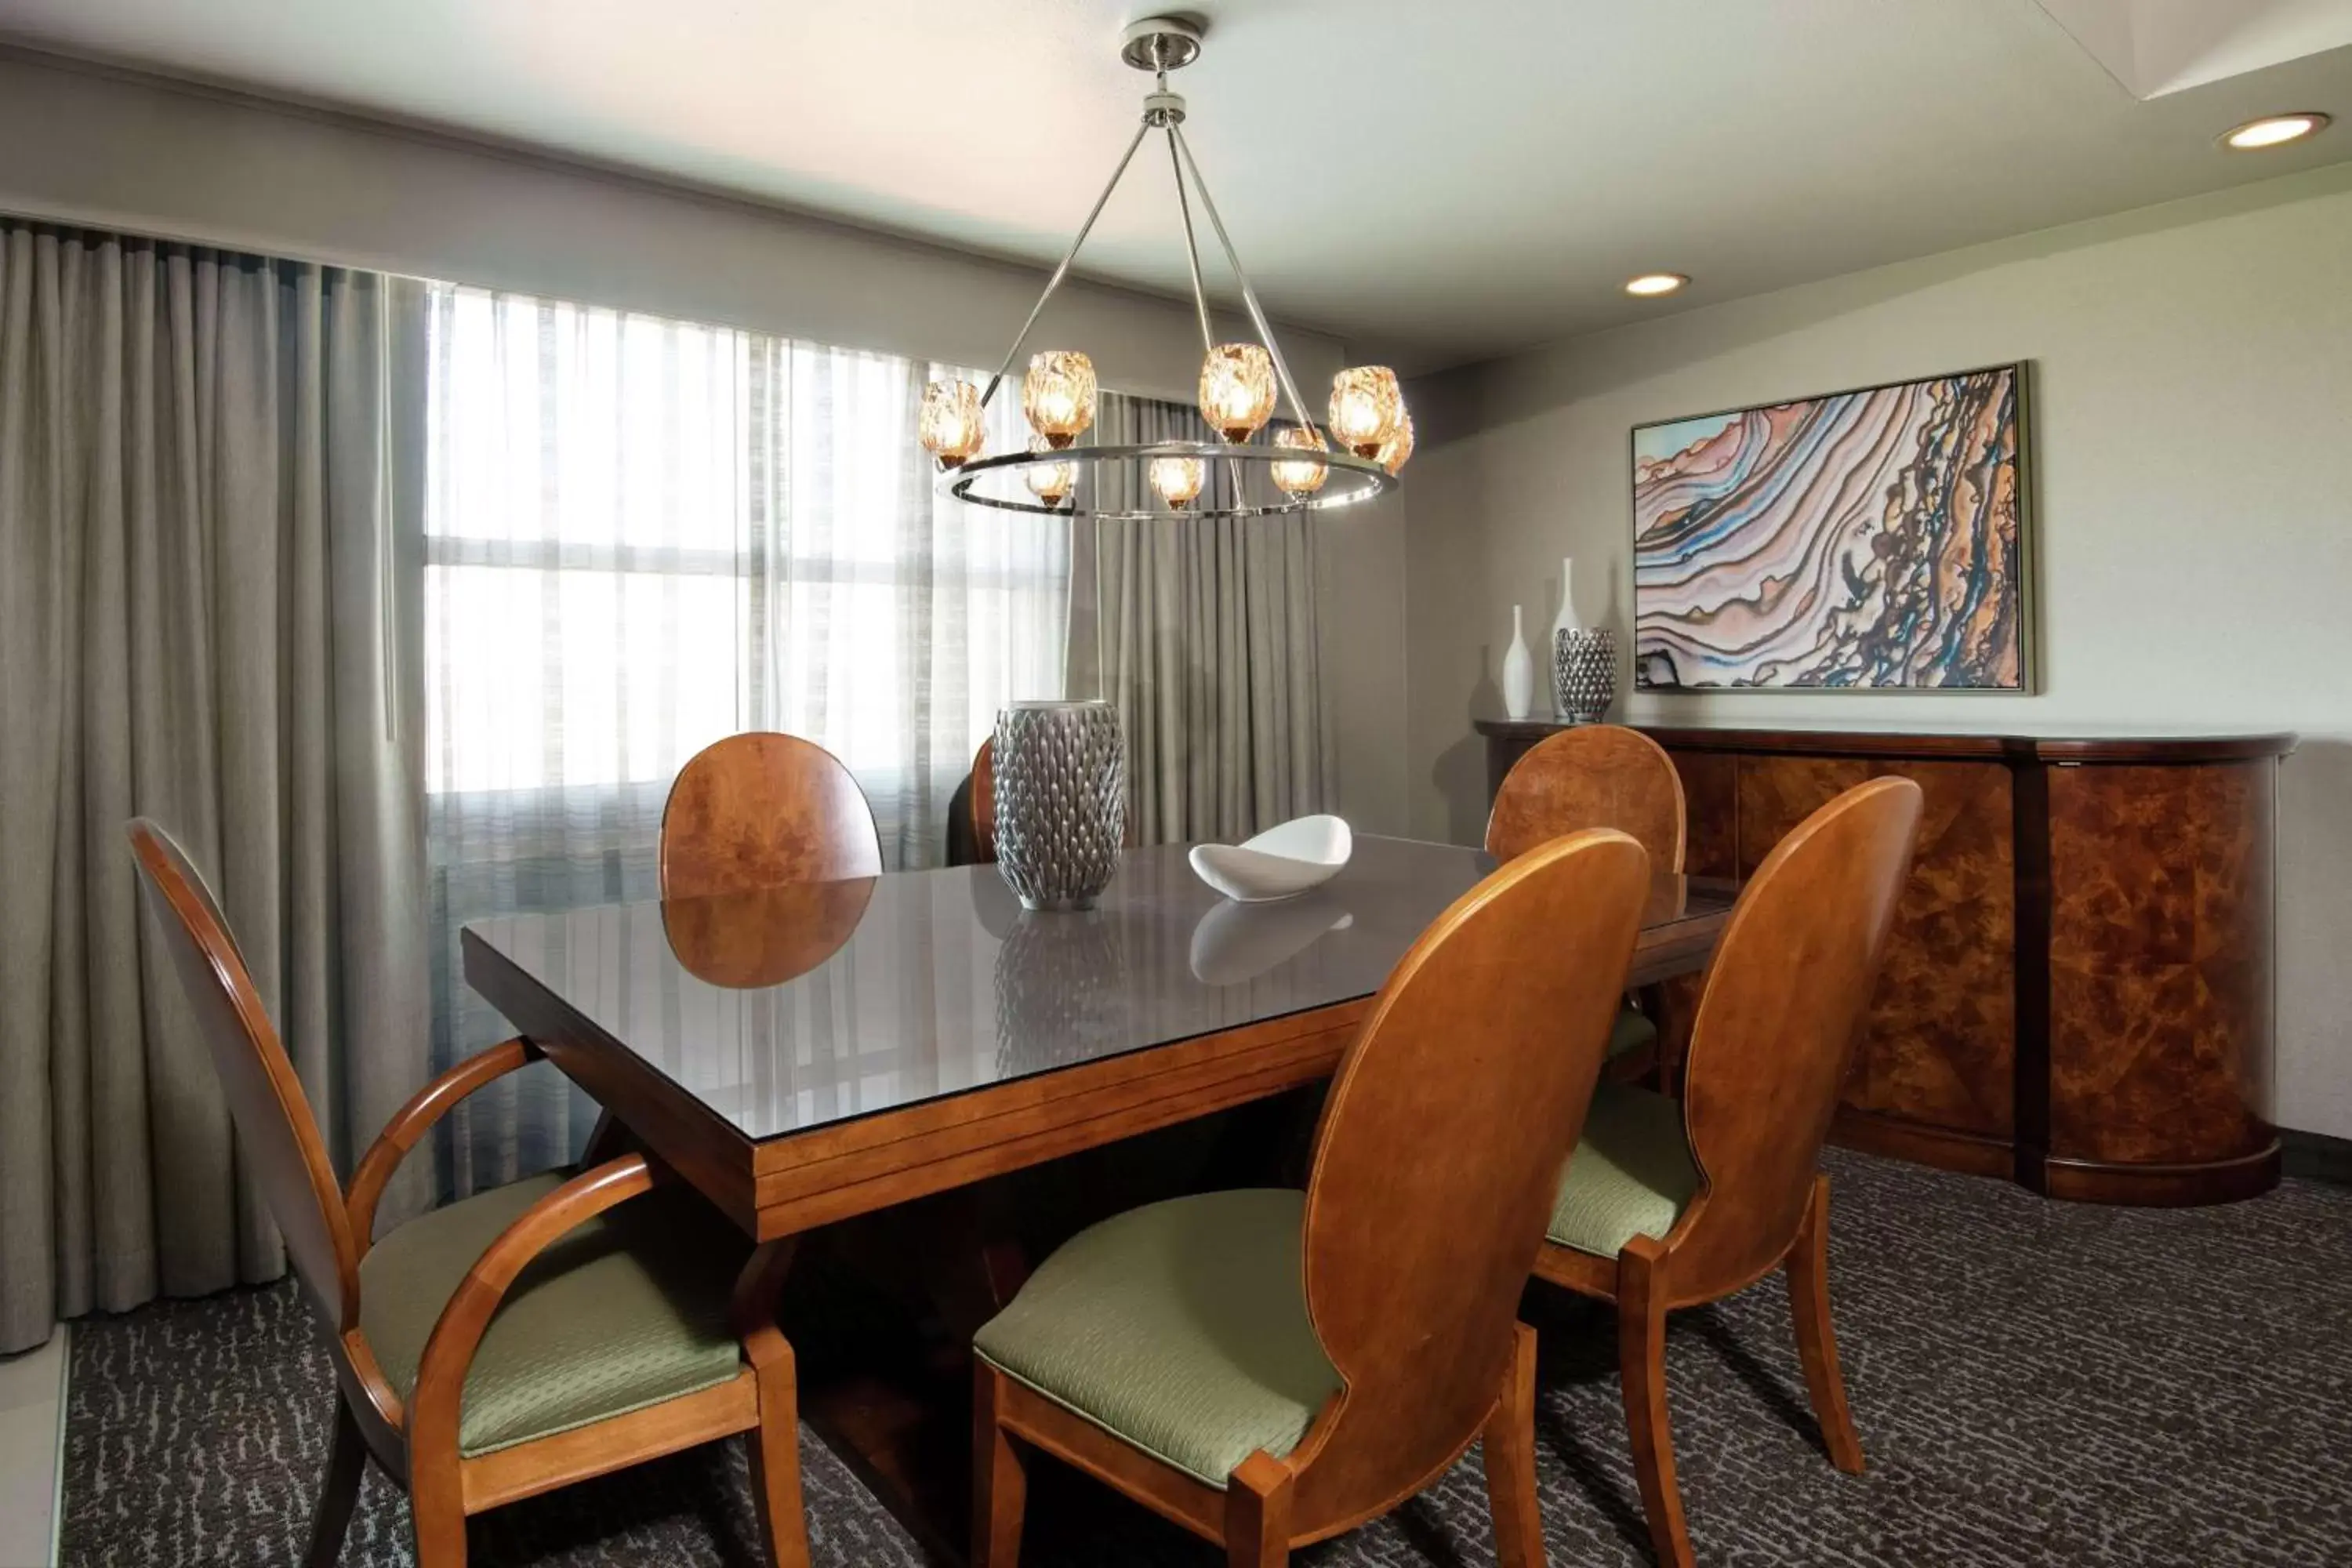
(2036, 1383)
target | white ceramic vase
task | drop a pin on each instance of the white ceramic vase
(1567, 622)
(1518, 671)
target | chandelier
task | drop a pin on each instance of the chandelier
(1297, 467)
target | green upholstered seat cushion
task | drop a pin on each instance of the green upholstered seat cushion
(1632, 1174)
(1181, 1327)
(1630, 1032)
(627, 1310)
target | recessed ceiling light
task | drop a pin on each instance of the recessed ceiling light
(1650, 284)
(2274, 130)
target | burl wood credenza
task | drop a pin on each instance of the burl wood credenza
(2078, 992)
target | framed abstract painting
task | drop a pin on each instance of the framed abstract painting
(1868, 541)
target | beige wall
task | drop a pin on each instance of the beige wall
(2193, 450)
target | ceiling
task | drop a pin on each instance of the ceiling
(1441, 182)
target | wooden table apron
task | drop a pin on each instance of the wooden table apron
(779, 1187)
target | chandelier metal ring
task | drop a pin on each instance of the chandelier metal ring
(1348, 481)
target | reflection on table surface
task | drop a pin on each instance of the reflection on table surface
(790, 1008)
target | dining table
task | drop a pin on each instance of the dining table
(811, 1053)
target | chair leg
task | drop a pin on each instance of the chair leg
(346, 1463)
(1000, 1480)
(1642, 1360)
(439, 1515)
(1257, 1513)
(1809, 1304)
(1511, 1445)
(775, 1449)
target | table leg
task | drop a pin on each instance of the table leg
(608, 1140)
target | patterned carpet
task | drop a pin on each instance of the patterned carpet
(2036, 1383)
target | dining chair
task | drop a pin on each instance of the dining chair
(1670, 1204)
(760, 810)
(984, 801)
(1595, 776)
(1268, 1367)
(510, 1343)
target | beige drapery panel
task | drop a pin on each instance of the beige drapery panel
(1201, 631)
(207, 577)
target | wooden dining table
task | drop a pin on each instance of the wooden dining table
(808, 1054)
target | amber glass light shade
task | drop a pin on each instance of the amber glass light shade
(1302, 477)
(1179, 479)
(1058, 395)
(1366, 407)
(1236, 389)
(1397, 448)
(1050, 482)
(950, 425)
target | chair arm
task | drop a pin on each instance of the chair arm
(458, 1333)
(412, 1121)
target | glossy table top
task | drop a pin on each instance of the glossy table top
(798, 1008)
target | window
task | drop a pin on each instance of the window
(642, 535)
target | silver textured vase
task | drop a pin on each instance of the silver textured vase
(1061, 801)
(1584, 673)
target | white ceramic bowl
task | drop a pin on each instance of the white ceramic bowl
(1280, 863)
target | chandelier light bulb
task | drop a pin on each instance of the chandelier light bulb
(950, 425)
(1058, 395)
(1398, 447)
(1236, 390)
(1366, 407)
(1179, 479)
(1050, 482)
(1302, 477)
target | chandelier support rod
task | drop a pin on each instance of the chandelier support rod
(1192, 248)
(1249, 294)
(1200, 293)
(1064, 269)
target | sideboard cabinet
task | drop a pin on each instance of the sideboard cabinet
(2078, 991)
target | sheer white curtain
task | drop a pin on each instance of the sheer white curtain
(643, 535)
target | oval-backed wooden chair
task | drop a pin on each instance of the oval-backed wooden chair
(1670, 1204)
(512, 1343)
(972, 812)
(1596, 775)
(1269, 1368)
(760, 810)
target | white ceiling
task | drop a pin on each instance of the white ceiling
(2156, 46)
(1441, 179)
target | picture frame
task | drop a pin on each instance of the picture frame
(1878, 539)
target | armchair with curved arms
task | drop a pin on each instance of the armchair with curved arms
(514, 1341)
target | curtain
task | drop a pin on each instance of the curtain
(1201, 631)
(643, 535)
(206, 572)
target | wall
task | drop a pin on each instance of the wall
(2192, 395)
(88, 145)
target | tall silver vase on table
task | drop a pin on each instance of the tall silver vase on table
(1061, 801)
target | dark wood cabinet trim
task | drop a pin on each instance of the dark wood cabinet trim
(2162, 749)
(2028, 785)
